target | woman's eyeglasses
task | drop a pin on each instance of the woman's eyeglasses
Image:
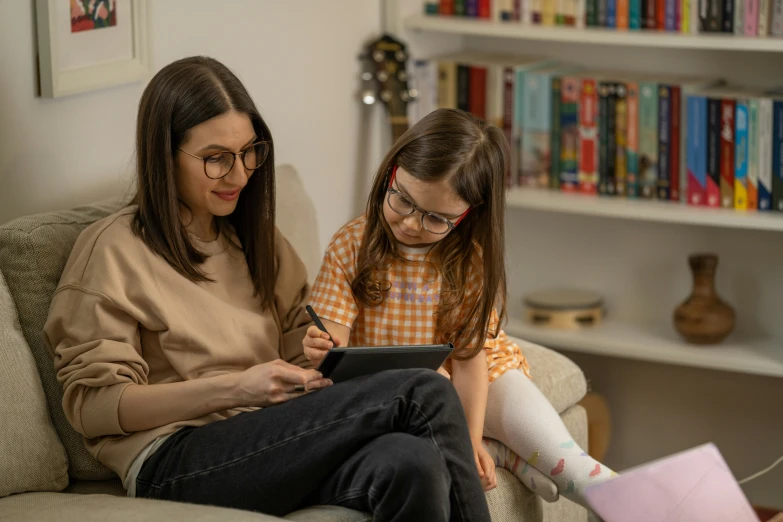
(220, 164)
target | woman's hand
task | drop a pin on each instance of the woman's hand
(486, 467)
(276, 382)
(316, 344)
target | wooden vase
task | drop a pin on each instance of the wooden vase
(704, 318)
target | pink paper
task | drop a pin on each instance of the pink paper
(690, 486)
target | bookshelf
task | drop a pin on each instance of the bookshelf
(591, 35)
(641, 210)
(615, 338)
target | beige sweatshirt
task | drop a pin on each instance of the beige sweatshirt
(121, 315)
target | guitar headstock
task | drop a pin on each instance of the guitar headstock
(385, 78)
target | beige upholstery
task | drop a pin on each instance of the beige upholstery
(33, 251)
(32, 457)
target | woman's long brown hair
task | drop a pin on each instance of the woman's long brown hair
(471, 154)
(180, 96)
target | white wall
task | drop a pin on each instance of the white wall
(296, 57)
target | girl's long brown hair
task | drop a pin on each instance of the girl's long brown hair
(180, 96)
(471, 154)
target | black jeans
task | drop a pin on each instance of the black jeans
(395, 444)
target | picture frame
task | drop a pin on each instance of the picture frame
(80, 51)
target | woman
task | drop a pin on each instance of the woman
(177, 330)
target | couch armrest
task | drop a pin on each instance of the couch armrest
(559, 379)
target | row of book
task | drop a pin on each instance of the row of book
(617, 133)
(753, 18)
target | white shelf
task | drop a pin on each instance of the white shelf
(641, 209)
(592, 35)
(662, 345)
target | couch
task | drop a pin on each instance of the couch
(45, 471)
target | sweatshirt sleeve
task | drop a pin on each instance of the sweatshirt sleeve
(291, 297)
(97, 354)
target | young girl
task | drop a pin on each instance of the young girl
(425, 264)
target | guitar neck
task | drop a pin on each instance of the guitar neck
(399, 124)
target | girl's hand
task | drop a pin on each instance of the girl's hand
(486, 467)
(276, 382)
(316, 343)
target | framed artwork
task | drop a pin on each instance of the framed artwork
(84, 45)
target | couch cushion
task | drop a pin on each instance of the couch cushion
(63, 507)
(295, 216)
(33, 252)
(31, 456)
(559, 379)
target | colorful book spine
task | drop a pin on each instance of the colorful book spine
(484, 8)
(685, 17)
(569, 134)
(648, 139)
(536, 128)
(605, 93)
(621, 138)
(632, 143)
(648, 14)
(753, 153)
(777, 156)
(714, 22)
(664, 142)
(603, 6)
(447, 85)
(694, 23)
(741, 155)
(591, 13)
(728, 106)
(537, 12)
(675, 140)
(765, 154)
(623, 13)
(431, 8)
(670, 13)
(728, 16)
(463, 87)
(471, 8)
(776, 28)
(660, 14)
(446, 7)
(696, 150)
(751, 17)
(588, 137)
(611, 13)
(549, 12)
(477, 91)
(739, 17)
(611, 141)
(765, 9)
(557, 103)
(713, 152)
(459, 8)
(635, 15)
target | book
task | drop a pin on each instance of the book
(696, 149)
(463, 87)
(713, 152)
(605, 98)
(664, 137)
(569, 133)
(554, 169)
(741, 154)
(777, 155)
(620, 138)
(635, 15)
(676, 142)
(632, 142)
(728, 16)
(765, 155)
(751, 17)
(753, 153)
(477, 91)
(727, 108)
(588, 137)
(648, 139)
(447, 84)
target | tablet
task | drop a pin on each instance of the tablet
(342, 364)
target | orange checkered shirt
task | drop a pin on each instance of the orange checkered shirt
(406, 315)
